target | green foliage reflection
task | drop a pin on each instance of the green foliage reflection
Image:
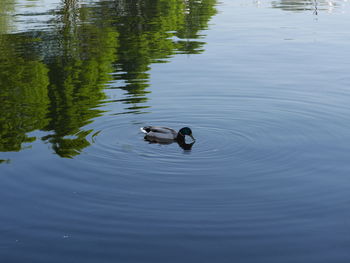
(77, 79)
(54, 80)
(23, 96)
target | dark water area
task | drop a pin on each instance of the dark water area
(264, 86)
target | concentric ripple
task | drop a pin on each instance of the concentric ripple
(120, 143)
(265, 135)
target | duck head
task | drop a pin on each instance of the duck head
(183, 132)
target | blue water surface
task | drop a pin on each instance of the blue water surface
(264, 86)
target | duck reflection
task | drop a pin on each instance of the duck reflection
(185, 146)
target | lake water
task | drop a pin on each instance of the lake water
(264, 86)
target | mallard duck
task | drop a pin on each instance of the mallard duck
(166, 135)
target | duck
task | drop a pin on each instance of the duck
(166, 135)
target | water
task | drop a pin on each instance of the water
(264, 85)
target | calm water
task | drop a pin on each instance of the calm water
(264, 85)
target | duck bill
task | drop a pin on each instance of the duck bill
(192, 137)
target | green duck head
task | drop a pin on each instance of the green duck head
(183, 132)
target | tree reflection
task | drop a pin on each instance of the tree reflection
(6, 7)
(77, 76)
(23, 94)
(53, 80)
(304, 5)
(153, 31)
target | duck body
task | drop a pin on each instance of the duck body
(165, 134)
(159, 134)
